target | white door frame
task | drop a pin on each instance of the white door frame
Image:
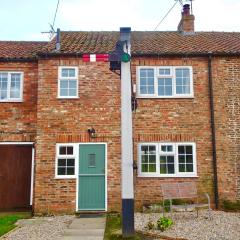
(77, 171)
(33, 162)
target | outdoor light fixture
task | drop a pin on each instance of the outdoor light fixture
(92, 132)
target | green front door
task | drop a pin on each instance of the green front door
(91, 178)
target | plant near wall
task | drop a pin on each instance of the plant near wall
(164, 223)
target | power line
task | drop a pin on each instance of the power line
(166, 15)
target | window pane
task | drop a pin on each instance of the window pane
(167, 148)
(63, 83)
(189, 159)
(163, 168)
(70, 150)
(164, 71)
(181, 149)
(144, 158)
(72, 92)
(61, 171)
(3, 85)
(63, 150)
(144, 149)
(70, 171)
(171, 169)
(168, 91)
(181, 167)
(147, 81)
(15, 94)
(152, 149)
(189, 167)
(3, 95)
(183, 81)
(165, 86)
(144, 167)
(143, 89)
(152, 167)
(181, 158)
(152, 158)
(70, 162)
(170, 159)
(72, 83)
(61, 162)
(163, 159)
(63, 92)
(143, 81)
(68, 72)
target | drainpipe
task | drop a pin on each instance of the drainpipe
(215, 177)
(126, 140)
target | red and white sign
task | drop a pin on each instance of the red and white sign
(95, 57)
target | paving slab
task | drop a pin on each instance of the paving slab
(85, 229)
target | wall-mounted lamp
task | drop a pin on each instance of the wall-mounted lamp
(92, 132)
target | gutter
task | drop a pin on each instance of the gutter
(213, 130)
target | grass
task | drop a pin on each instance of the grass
(7, 222)
(113, 229)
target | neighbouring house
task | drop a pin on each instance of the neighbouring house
(60, 126)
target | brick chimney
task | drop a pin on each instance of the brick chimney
(186, 24)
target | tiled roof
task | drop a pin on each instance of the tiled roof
(20, 49)
(145, 43)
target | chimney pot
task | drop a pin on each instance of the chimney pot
(186, 9)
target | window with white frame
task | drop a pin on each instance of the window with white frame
(167, 160)
(11, 86)
(68, 82)
(165, 82)
(65, 162)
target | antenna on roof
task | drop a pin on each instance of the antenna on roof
(52, 31)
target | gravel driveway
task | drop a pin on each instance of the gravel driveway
(222, 226)
(40, 228)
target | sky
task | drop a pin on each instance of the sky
(26, 19)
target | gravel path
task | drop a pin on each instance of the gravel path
(222, 226)
(40, 228)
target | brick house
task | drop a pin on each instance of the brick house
(186, 126)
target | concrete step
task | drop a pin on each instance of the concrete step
(84, 232)
(81, 238)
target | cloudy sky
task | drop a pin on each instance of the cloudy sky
(26, 19)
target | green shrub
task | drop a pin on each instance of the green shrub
(230, 205)
(150, 225)
(163, 223)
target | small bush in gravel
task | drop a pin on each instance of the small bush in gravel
(163, 223)
(150, 225)
(232, 206)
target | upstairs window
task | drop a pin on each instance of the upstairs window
(165, 82)
(68, 82)
(11, 86)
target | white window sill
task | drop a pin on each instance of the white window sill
(167, 175)
(11, 101)
(66, 177)
(67, 97)
(166, 97)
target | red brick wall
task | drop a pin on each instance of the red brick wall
(176, 120)
(226, 83)
(67, 120)
(18, 120)
(98, 106)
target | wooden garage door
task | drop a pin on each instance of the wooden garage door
(15, 176)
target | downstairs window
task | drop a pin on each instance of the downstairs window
(167, 160)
